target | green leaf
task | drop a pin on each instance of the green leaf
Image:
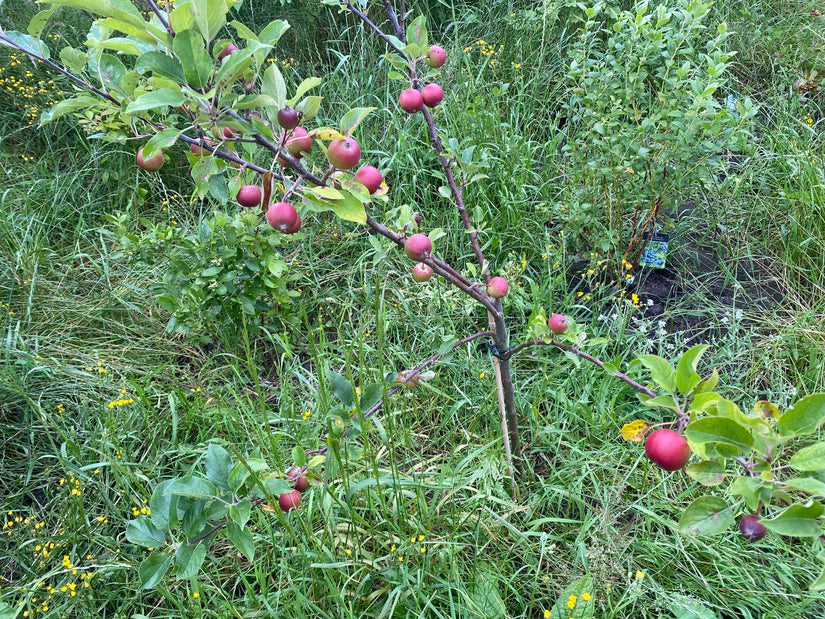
(370, 396)
(805, 416)
(242, 538)
(797, 521)
(163, 507)
(751, 489)
(155, 100)
(195, 60)
(299, 456)
(342, 388)
(810, 485)
(688, 608)
(584, 609)
(110, 71)
(39, 21)
(192, 486)
(686, 377)
(120, 9)
(309, 107)
(152, 569)
(181, 18)
(811, 458)
(218, 466)
(707, 515)
(73, 58)
(26, 42)
(484, 591)
(67, 106)
(142, 532)
(273, 85)
(209, 17)
(244, 32)
(137, 32)
(417, 31)
(718, 435)
(660, 371)
(350, 208)
(819, 583)
(160, 64)
(201, 172)
(273, 31)
(353, 118)
(707, 473)
(240, 512)
(189, 558)
(303, 87)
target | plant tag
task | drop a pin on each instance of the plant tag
(655, 253)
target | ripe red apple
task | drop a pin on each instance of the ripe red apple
(150, 165)
(229, 133)
(432, 94)
(497, 288)
(557, 323)
(751, 529)
(436, 57)
(344, 154)
(369, 177)
(227, 50)
(668, 449)
(422, 272)
(283, 216)
(283, 162)
(410, 384)
(288, 118)
(295, 227)
(200, 151)
(249, 195)
(411, 100)
(289, 500)
(299, 142)
(301, 481)
(418, 246)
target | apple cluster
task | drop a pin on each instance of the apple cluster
(413, 100)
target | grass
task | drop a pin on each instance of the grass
(99, 403)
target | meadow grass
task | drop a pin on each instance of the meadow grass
(99, 403)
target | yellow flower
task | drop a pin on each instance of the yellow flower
(586, 596)
(639, 575)
(546, 614)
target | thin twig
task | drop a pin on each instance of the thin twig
(375, 29)
(161, 17)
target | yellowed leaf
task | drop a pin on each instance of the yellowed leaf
(635, 430)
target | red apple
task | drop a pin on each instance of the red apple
(422, 272)
(227, 50)
(299, 142)
(295, 227)
(229, 133)
(283, 216)
(288, 118)
(411, 100)
(497, 288)
(410, 384)
(751, 529)
(369, 177)
(432, 94)
(344, 154)
(301, 481)
(200, 151)
(436, 57)
(668, 449)
(557, 323)
(418, 246)
(249, 195)
(289, 500)
(150, 165)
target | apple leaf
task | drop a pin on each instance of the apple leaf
(67, 106)
(180, 18)
(299, 456)
(686, 377)
(209, 16)
(274, 86)
(707, 515)
(350, 209)
(660, 371)
(798, 520)
(417, 31)
(242, 538)
(152, 569)
(309, 107)
(804, 417)
(142, 532)
(688, 608)
(244, 32)
(635, 430)
(811, 458)
(240, 512)
(353, 118)
(707, 473)
(342, 388)
(138, 32)
(326, 133)
(73, 58)
(25, 42)
(273, 31)
(160, 64)
(811, 485)
(751, 489)
(218, 465)
(766, 409)
(308, 84)
(725, 435)
(191, 486)
(154, 100)
(189, 558)
(190, 50)
(819, 583)
(39, 21)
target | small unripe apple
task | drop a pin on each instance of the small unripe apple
(418, 246)
(249, 195)
(436, 57)
(299, 142)
(369, 177)
(301, 481)
(283, 216)
(497, 288)
(422, 272)
(289, 500)
(668, 449)
(344, 154)
(411, 100)
(432, 94)
(150, 165)
(227, 50)
(751, 529)
(288, 118)
(557, 323)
